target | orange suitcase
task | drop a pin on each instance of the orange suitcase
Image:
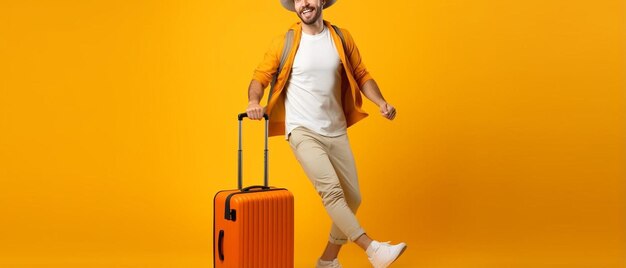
(253, 226)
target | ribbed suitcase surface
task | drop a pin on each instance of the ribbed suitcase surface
(256, 231)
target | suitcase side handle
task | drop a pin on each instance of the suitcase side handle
(240, 118)
(220, 245)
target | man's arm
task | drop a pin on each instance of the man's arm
(364, 79)
(372, 92)
(261, 78)
(255, 94)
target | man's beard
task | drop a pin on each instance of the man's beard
(318, 13)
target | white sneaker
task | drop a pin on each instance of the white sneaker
(381, 255)
(328, 264)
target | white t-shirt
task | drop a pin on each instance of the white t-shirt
(313, 98)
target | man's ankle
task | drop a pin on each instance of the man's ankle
(363, 241)
(327, 259)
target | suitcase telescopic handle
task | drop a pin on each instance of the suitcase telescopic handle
(240, 118)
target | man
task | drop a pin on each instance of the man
(315, 97)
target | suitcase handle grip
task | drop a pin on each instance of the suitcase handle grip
(239, 169)
(247, 189)
(241, 116)
(220, 245)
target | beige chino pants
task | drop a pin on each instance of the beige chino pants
(329, 164)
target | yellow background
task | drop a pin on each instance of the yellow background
(117, 127)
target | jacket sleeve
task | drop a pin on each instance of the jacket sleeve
(361, 75)
(269, 66)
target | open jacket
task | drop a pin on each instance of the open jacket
(353, 77)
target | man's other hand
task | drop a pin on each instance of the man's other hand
(388, 111)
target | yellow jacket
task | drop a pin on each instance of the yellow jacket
(351, 81)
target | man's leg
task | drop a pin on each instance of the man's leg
(311, 150)
(379, 254)
(342, 159)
